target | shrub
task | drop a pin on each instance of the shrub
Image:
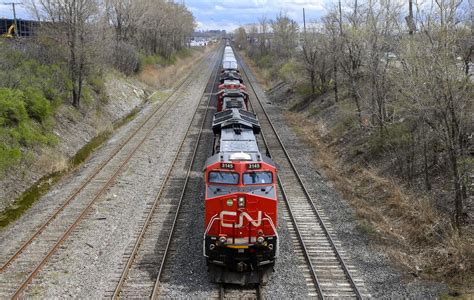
(265, 61)
(8, 156)
(24, 122)
(37, 105)
(126, 58)
(287, 71)
(12, 108)
(25, 73)
(394, 136)
(157, 60)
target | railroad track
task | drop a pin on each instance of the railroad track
(26, 262)
(323, 264)
(146, 258)
(190, 193)
(237, 292)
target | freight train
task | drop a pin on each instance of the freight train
(240, 239)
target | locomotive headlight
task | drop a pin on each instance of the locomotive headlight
(222, 239)
(241, 202)
(260, 240)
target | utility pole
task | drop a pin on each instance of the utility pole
(304, 22)
(304, 30)
(14, 15)
(409, 18)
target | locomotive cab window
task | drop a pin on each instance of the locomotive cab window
(258, 178)
(223, 177)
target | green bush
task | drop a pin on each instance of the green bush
(12, 108)
(287, 71)
(303, 89)
(97, 83)
(26, 73)
(38, 107)
(8, 156)
(265, 61)
(146, 60)
(25, 121)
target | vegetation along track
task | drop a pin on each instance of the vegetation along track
(26, 261)
(325, 269)
(144, 262)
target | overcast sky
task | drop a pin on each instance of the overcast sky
(230, 14)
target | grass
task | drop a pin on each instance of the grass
(28, 198)
(158, 95)
(43, 185)
(165, 76)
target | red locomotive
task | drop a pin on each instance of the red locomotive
(240, 239)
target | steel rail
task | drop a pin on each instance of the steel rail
(309, 198)
(148, 219)
(156, 287)
(93, 175)
(101, 191)
(298, 232)
(300, 238)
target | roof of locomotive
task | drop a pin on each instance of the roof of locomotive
(238, 129)
(236, 119)
(224, 156)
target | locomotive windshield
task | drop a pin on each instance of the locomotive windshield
(223, 177)
(258, 178)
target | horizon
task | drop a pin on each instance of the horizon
(228, 15)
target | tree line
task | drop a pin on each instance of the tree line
(86, 34)
(406, 68)
(76, 43)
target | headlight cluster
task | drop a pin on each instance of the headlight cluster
(241, 201)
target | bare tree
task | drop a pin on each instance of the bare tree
(315, 59)
(351, 53)
(285, 35)
(241, 38)
(439, 92)
(263, 34)
(73, 20)
(380, 28)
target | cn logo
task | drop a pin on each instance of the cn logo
(243, 215)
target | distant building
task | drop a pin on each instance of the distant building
(208, 34)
